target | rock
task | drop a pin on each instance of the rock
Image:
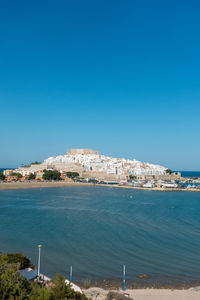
(143, 276)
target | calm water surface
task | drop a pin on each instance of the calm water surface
(97, 229)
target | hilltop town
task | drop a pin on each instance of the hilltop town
(88, 166)
(91, 164)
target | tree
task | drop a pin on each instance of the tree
(72, 175)
(2, 176)
(35, 163)
(132, 177)
(15, 287)
(92, 180)
(12, 285)
(61, 291)
(32, 163)
(51, 175)
(19, 176)
(19, 259)
(39, 292)
(169, 171)
(31, 176)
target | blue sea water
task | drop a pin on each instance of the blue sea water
(2, 169)
(190, 173)
(97, 229)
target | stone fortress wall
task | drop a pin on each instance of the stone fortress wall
(82, 151)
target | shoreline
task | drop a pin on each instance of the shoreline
(145, 294)
(139, 283)
(32, 184)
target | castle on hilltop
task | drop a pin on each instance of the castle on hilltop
(81, 151)
(90, 164)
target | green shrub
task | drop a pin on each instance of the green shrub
(31, 176)
(51, 175)
(2, 177)
(15, 287)
(20, 260)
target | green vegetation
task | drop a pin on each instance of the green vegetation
(19, 259)
(60, 290)
(169, 171)
(132, 177)
(19, 176)
(12, 286)
(15, 287)
(51, 175)
(32, 163)
(2, 177)
(31, 176)
(35, 163)
(95, 181)
(72, 175)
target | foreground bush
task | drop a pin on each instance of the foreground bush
(20, 260)
(14, 287)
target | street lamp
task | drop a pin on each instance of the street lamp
(39, 249)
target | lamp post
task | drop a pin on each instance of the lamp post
(39, 249)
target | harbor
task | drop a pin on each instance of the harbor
(149, 186)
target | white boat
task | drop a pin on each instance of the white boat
(148, 185)
(169, 185)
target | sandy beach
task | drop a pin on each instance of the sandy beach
(148, 294)
(34, 184)
(51, 184)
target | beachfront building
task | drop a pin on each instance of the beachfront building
(11, 178)
(8, 172)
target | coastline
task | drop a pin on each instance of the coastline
(146, 294)
(32, 184)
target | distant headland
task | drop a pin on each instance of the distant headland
(88, 166)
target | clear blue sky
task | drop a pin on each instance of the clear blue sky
(121, 77)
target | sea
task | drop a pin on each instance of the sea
(2, 169)
(190, 173)
(97, 230)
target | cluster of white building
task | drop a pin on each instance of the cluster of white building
(101, 163)
(90, 164)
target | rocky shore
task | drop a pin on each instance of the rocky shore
(144, 294)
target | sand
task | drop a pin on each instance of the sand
(35, 184)
(148, 294)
